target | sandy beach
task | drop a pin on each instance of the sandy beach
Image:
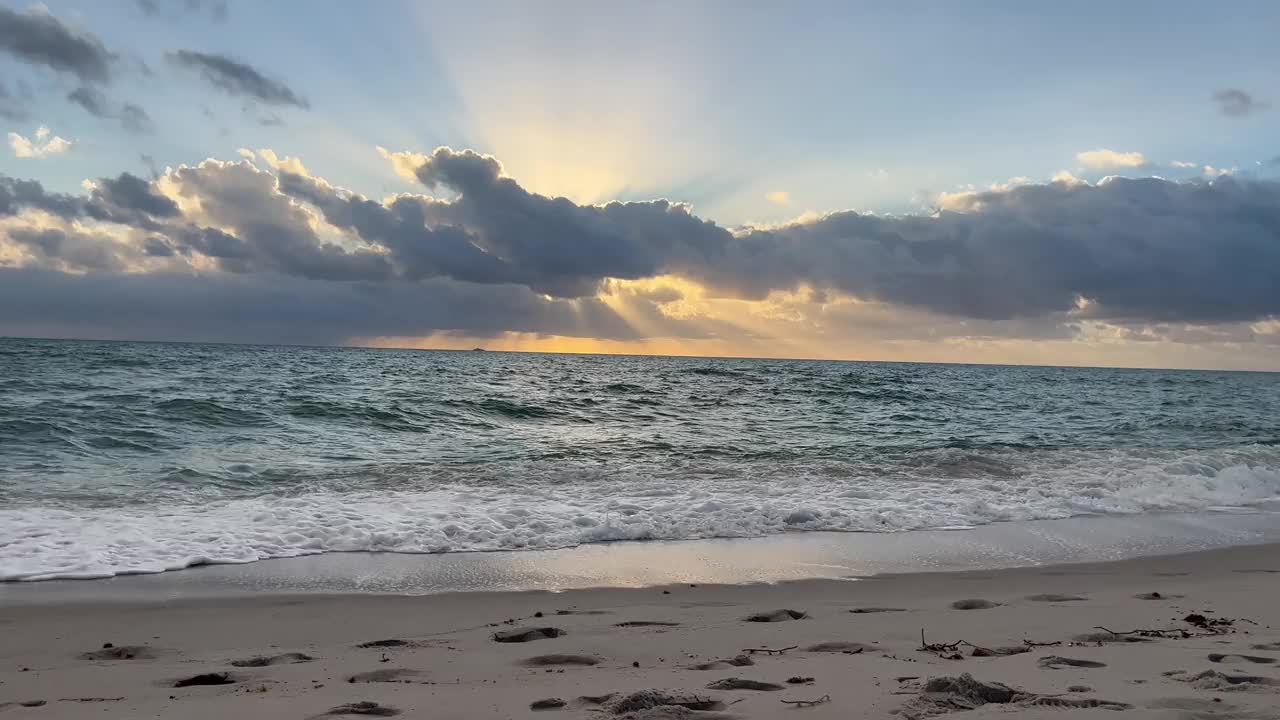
(1053, 641)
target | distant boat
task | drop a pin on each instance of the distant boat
(477, 349)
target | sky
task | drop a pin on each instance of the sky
(1074, 183)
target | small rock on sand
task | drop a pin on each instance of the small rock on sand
(520, 635)
(365, 707)
(776, 616)
(547, 704)
(266, 660)
(974, 604)
(206, 679)
(743, 684)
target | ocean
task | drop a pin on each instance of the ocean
(121, 458)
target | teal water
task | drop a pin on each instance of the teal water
(138, 457)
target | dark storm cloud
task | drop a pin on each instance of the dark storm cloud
(556, 246)
(1144, 249)
(271, 233)
(129, 200)
(1128, 251)
(276, 308)
(237, 78)
(81, 251)
(92, 100)
(132, 118)
(1234, 102)
(17, 195)
(38, 38)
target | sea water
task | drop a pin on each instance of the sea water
(123, 458)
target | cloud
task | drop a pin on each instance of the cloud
(1234, 102)
(1103, 158)
(38, 38)
(132, 118)
(276, 308)
(18, 195)
(41, 144)
(1184, 164)
(217, 9)
(405, 164)
(1035, 259)
(237, 78)
(779, 197)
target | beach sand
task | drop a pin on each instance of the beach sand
(859, 640)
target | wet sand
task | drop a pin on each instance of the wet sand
(1052, 641)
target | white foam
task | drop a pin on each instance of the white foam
(547, 509)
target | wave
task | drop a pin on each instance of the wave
(553, 506)
(210, 412)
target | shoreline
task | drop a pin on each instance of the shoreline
(769, 559)
(444, 662)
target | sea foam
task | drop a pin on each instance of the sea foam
(545, 510)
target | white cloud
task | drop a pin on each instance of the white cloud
(779, 197)
(287, 163)
(42, 143)
(1104, 158)
(1066, 177)
(1210, 171)
(405, 163)
(1183, 164)
(246, 153)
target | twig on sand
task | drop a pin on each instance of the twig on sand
(809, 703)
(1033, 643)
(1142, 632)
(768, 651)
(940, 648)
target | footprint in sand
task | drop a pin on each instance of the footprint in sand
(841, 646)
(389, 643)
(1052, 597)
(1214, 680)
(547, 704)
(552, 660)
(1221, 658)
(23, 703)
(1158, 596)
(371, 709)
(776, 616)
(1266, 646)
(743, 684)
(266, 660)
(868, 610)
(386, 675)
(646, 623)
(520, 635)
(656, 700)
(1057, 662)
(220, 678)
(974, 604)
(738, 661)
(124, 652)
